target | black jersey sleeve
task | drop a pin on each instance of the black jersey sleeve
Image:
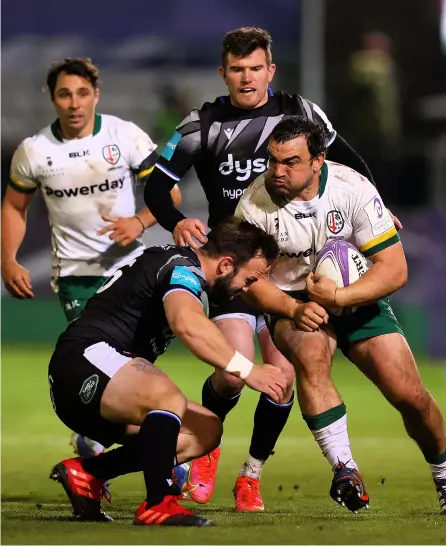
(341, 152)
(179, 154)
(146, 167)
(315, 113)
(180, 273)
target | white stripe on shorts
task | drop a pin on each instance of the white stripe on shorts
(105, 358)
(257, 324)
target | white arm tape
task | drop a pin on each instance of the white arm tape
(239, 365)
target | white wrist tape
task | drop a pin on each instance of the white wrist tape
(239, 365)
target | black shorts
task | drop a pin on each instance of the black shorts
(237, 308)
(78, 375)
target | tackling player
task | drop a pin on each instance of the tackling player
(305, 201)
(102, 376)
(86, 165)
(226, 142)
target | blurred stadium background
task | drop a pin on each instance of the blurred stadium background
(158, 61)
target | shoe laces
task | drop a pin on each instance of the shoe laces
(206, 468)
(105, 493)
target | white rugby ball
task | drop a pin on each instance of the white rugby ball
(342, 263)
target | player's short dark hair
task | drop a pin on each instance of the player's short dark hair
(77, 66)
(241, 241)
(244, 41)
(291, 127)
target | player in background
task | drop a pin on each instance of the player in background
(226, 142)
(86, 165)
(102, 375)
(305, 201)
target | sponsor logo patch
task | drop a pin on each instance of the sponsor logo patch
(88, 388)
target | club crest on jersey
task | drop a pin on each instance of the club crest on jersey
(111, 153)
(88, 388)
(335, 222)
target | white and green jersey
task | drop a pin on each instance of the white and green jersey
(81, 180)
(347, 207)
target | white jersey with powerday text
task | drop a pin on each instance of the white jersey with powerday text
(82, 180)
(347, 207)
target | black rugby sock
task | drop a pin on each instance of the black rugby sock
(215, 403)
(116, 462)
(269, 420)
(158, 437)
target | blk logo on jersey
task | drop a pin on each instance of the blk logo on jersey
(244, 171)
(335, 222)
(303, 215)
(79, 154)
(111, 153)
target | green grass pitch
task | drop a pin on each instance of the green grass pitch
(295, 482)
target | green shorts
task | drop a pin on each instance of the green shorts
(74, 292)
(369, 321)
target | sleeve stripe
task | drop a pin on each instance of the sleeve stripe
(142, 174)
(17, 182)
(20, 187)
(378, 240)
(166, 171)
(182, 290)
(381, 246)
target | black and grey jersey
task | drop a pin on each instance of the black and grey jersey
(127, 312)
(227, 146)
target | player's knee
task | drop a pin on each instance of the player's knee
(312, 361)
(411, 400)
(289, 373)
(227, 385)
(164, 396)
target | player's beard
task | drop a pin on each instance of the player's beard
(281, 195)
(222, 289)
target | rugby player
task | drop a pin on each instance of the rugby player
(86, 165)
(305, 201)
(102, 376)
(226, 142)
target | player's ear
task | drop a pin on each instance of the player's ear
(271, 72)
(222, 73)
(225, 265)
(318, 161)
(96, 98)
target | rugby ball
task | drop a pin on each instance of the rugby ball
(342, 263)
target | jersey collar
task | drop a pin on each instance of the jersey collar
(55, 127)
(324, 176)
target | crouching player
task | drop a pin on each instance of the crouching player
(103, 381)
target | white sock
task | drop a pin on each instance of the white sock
(438, 471)
(95, 446)
(335, 444)
(252, 468)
